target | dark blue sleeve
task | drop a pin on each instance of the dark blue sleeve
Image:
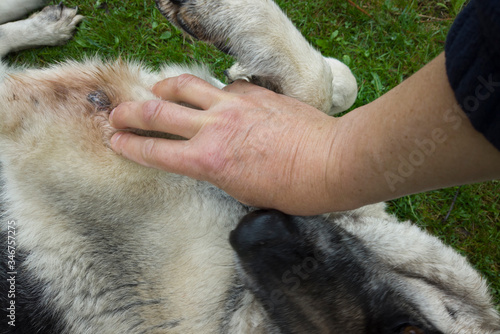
(473, 65)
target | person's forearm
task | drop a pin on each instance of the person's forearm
(413, 139)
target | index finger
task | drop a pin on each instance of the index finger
(189, 89)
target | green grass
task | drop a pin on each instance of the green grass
(383, 42)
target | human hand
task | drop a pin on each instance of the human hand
(264, 149)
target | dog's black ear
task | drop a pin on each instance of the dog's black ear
(261, 229)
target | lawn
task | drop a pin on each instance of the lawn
(383, 42)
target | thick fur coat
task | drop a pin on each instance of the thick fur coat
(94, 243)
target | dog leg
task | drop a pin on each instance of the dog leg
(270, 51)
(54, 25)
(11, 10)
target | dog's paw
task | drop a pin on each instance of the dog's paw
(175, 12)
(237, 72)
(55, 25)
(213, 21)
(187, 15)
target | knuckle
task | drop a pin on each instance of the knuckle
(263, 93)
(173, 86)
(148, 150)
(151, 111)
(184, 80)
(208, 160)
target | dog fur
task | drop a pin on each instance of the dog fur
(11, 10)
(103, 245)
(52, 26)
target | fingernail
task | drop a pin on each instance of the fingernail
(111, 116)
(115, 137)
(155, 88)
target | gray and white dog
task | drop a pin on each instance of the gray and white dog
(94, 243)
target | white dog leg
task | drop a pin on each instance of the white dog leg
(270, 51)
(3, 70)
(54, 25)
(11, 10)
